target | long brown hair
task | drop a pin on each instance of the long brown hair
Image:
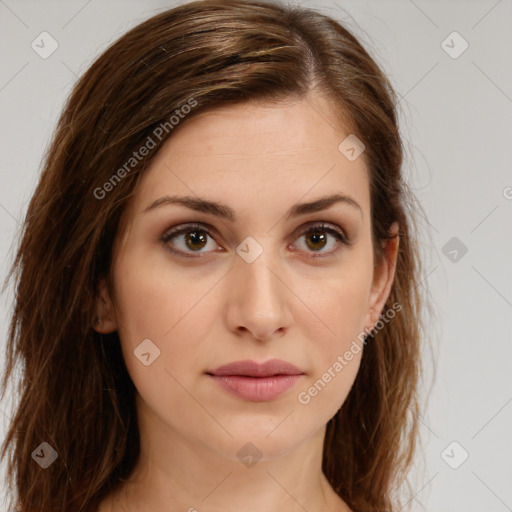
(75, 393)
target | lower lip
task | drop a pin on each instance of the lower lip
(256, 389)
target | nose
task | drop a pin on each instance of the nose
(258, 298)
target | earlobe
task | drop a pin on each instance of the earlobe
(383, 277)
(104, 321)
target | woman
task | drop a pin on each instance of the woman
(216, 305)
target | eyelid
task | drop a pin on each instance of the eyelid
(304, 228)
(336, 231)
(184, 228)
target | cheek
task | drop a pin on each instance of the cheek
(334, 322)
(334, 307)
(324, 394)
(167, 306)
(153, 299)
(163, 307)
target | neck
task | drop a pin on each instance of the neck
(174, 473)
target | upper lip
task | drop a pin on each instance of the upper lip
(249, 368)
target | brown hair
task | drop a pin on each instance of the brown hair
(74, 391)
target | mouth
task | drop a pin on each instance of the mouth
(256, 382)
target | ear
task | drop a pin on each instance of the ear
(105, 319)
(383, 276)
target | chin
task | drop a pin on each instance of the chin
(264, 441)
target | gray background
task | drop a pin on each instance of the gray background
(456, 119)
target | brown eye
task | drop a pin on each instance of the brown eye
(195, 239)
(317, 238)
(190, 239)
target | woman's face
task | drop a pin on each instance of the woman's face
(247, 285)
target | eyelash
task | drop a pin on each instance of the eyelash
(185, 228)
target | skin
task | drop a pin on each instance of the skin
(214, 309)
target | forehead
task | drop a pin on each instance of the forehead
(255, 154)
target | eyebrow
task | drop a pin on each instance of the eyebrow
(225, 212)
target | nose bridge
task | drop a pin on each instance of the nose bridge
(259, 295)
(261, 285)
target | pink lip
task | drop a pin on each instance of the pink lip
(257, 382)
